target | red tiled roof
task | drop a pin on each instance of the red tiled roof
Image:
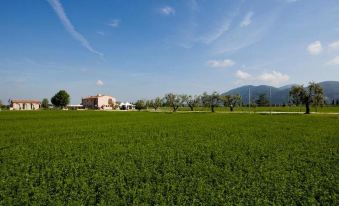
(25, 101)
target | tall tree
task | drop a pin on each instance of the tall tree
(155, 103)
(231, 101)
(313, 93)
(262, 100)
(173, 101)
(316, 93)
(61, 99)
(191, 101)
(296, 93)
(147, 103)
(211, 100)
(44, 103)
(140, 104)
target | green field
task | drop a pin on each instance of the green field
(134, 158)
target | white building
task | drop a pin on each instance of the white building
(25, 104)
(75, 106)
(99, 101)
(126, 106)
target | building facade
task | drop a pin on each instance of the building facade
(25, 104)
(99, 101)
(126, 106)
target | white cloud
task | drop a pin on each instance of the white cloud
(315, 48)
(221, 63)
(167, 10)
(99, 83)
(247, 19)
(334, 61)
(59, 10)
(274, 77)
(114, 23)
(334, 45)
(243, 75)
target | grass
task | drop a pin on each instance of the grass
(133, 158)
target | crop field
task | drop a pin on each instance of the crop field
(147, 158)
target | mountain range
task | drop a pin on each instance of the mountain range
(280, 95)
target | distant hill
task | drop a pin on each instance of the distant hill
(280, 95)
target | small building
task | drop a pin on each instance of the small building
(25, 104)
(126, 106)
(75, 107)
(99, 101)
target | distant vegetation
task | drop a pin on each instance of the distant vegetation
(280, 96)
(312, 95)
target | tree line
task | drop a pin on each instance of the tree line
(312, 94)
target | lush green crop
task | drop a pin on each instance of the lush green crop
(119, 158)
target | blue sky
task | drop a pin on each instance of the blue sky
(143, 49)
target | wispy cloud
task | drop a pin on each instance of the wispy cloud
(221, 63)
(237, 38)
(59, 10)
(114, 23)
(193, 4)
(247, 19)
(101, 33)
(334, 61)
(99, 83)
(167, 10)
(315, 48)
(291, 1)
(213, 36)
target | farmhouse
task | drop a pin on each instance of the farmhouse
(99, 101)
(25, 104)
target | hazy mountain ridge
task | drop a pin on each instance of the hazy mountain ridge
(280, 95)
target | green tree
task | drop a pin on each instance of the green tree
(155, 103)
(173, 101)
(262, 100)
(61, 99)
(44, 103)
(231, 101)
(140, 104)
(147, 103)
(313, 93)
(191, 101)
(316, 93)
(211, 100)
(296, 93)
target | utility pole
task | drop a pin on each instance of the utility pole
(249, 99)
(270, 100)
